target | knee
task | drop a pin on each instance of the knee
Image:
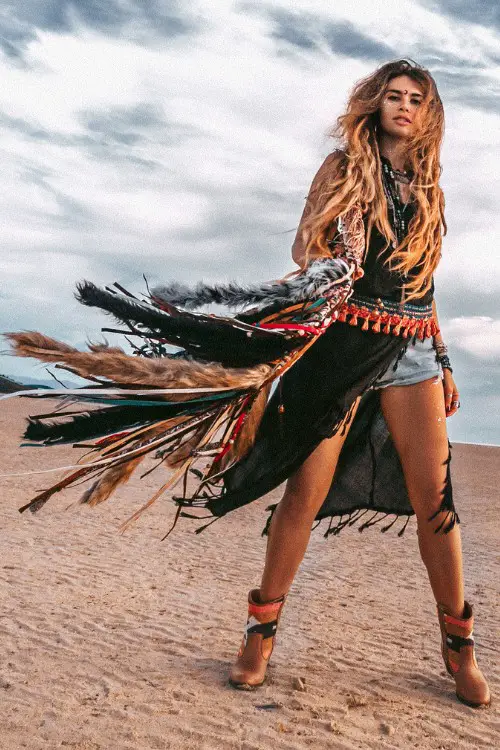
(427, 498)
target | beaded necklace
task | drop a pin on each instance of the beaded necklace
(396, 208)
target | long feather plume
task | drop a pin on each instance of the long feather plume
(117, 475)
(117, 366)
(209, 337)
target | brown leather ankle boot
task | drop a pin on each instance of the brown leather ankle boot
(249, 670)
(458, 654)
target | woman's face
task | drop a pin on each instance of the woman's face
(398, 110)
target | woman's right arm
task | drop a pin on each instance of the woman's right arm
(329, 165)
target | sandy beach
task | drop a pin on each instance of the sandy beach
(123, 642)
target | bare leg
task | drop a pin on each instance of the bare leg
(290, 527)
(415, 415)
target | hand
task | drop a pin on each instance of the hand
(451, 396)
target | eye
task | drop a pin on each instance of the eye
(393, 97)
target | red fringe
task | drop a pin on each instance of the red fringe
(397, 325)
(236, 429)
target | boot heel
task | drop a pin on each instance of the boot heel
(457, 646)
(249, 670)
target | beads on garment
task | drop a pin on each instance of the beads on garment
(387, 316)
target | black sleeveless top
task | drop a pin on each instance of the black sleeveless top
(379, 280)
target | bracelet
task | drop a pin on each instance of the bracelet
(441, 348)
(444, 361)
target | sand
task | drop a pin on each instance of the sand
(123, 642)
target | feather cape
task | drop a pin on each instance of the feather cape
(209, 402)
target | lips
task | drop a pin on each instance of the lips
(403, 120)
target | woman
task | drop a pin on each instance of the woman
(357, 424)
(392, 130)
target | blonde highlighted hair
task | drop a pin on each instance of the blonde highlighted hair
(353, 177)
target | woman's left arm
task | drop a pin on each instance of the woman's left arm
(451, 395)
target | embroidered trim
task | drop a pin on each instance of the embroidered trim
(387, 316)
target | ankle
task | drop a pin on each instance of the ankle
(460, 611)
(268, 595)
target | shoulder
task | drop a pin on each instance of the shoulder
(330, 168)
(334, 160)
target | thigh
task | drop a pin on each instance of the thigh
(416, 418)
(312, 480)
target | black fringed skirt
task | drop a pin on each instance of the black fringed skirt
(316, 397)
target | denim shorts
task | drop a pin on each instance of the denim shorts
(417, 363)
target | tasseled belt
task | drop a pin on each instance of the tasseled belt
(388, 316)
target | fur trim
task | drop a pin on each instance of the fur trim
(313, 282)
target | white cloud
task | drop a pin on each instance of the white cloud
(477, 335)
(213, 190)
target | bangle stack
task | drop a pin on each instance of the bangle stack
(442, 355)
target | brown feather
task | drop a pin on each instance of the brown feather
(39, 500)
(118, 474)
(35, 340)
(187, 447)
(246, 437)
(110, 480)
(113, 363)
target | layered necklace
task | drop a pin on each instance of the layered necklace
(390, 177)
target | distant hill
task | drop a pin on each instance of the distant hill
(22, 382)
(8, 385)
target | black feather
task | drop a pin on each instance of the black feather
(225, 340)
(98, 423)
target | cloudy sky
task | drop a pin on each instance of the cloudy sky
(179, 139)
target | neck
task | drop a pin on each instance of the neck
(394, 149)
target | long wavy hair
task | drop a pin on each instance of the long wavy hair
(354, 177)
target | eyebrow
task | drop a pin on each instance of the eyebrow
(413, 93)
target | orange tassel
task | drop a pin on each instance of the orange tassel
(382, 321)
(405, 324)
(342, 315)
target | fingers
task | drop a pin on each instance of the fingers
(451, 401)
(451, 395)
